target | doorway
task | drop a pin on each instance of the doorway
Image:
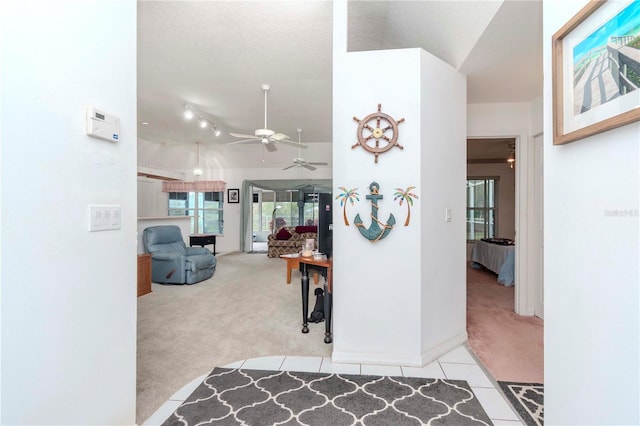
(274, 209)
(501, 326)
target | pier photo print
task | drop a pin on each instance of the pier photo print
(596, 70)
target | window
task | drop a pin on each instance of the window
(204, 208)
(272, 209)
(481, 208)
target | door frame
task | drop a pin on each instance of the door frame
(526, 220)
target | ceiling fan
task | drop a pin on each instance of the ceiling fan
(265, 136)
(300, 162)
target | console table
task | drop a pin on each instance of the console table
(293, 262)
(325, 268)
(203, 240)
(144, 274)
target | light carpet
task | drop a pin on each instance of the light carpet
(258, 397)
(246, 310)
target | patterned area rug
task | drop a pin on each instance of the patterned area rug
(256, 397)
(527, 399)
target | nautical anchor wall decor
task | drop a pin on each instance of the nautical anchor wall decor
(378, 132)
(377, 230)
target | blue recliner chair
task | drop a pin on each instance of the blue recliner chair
(172, 262)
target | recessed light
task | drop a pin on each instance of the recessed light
(145, 123)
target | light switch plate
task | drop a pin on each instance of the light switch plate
(104, 217)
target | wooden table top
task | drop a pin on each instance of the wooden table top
(324, 262)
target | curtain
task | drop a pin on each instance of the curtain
(273, 185)
(197, 186)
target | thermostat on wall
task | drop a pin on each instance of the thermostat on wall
(102, 125)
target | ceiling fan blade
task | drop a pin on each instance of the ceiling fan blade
(291, 143)
(270, 147)
(288, 167)
(307, 166)
(244, 141)
(318, 164)
(279, 136)
(242, 135)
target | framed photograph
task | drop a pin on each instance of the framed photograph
(233, 196)
(596, 70)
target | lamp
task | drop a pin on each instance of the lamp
(202, 122)
(197, 171)
(273, 218)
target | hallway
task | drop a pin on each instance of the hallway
(510, 346)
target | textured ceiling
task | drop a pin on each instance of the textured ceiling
(215, 55)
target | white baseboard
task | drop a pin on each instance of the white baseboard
(443, 348)
(404, 360)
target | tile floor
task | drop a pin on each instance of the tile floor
(458, 364)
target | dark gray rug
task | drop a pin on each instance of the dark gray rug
(256, 397)
(527, 399)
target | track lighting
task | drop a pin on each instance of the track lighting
(188, 114)
(203, 122)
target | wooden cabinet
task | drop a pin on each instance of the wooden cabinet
(144, 274)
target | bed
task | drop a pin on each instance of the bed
(498, 256)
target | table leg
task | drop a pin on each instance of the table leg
(288, 272)
(305, 298)
(328, 305)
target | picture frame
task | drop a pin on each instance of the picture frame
(233, 196)
(591, 47)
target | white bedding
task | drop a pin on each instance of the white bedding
(497, 258)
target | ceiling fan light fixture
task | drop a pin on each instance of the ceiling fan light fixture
(197, 170)
(202, 122)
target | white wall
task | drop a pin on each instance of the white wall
(592, 324)
(486, 120)
(381, 288)
(68, 295)
(443, 173)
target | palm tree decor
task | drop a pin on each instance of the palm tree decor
(347, 195)
(408, 196)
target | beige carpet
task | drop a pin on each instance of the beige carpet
(510, 346)
(245, 310)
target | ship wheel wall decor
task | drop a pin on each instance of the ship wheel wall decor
(372, 132)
